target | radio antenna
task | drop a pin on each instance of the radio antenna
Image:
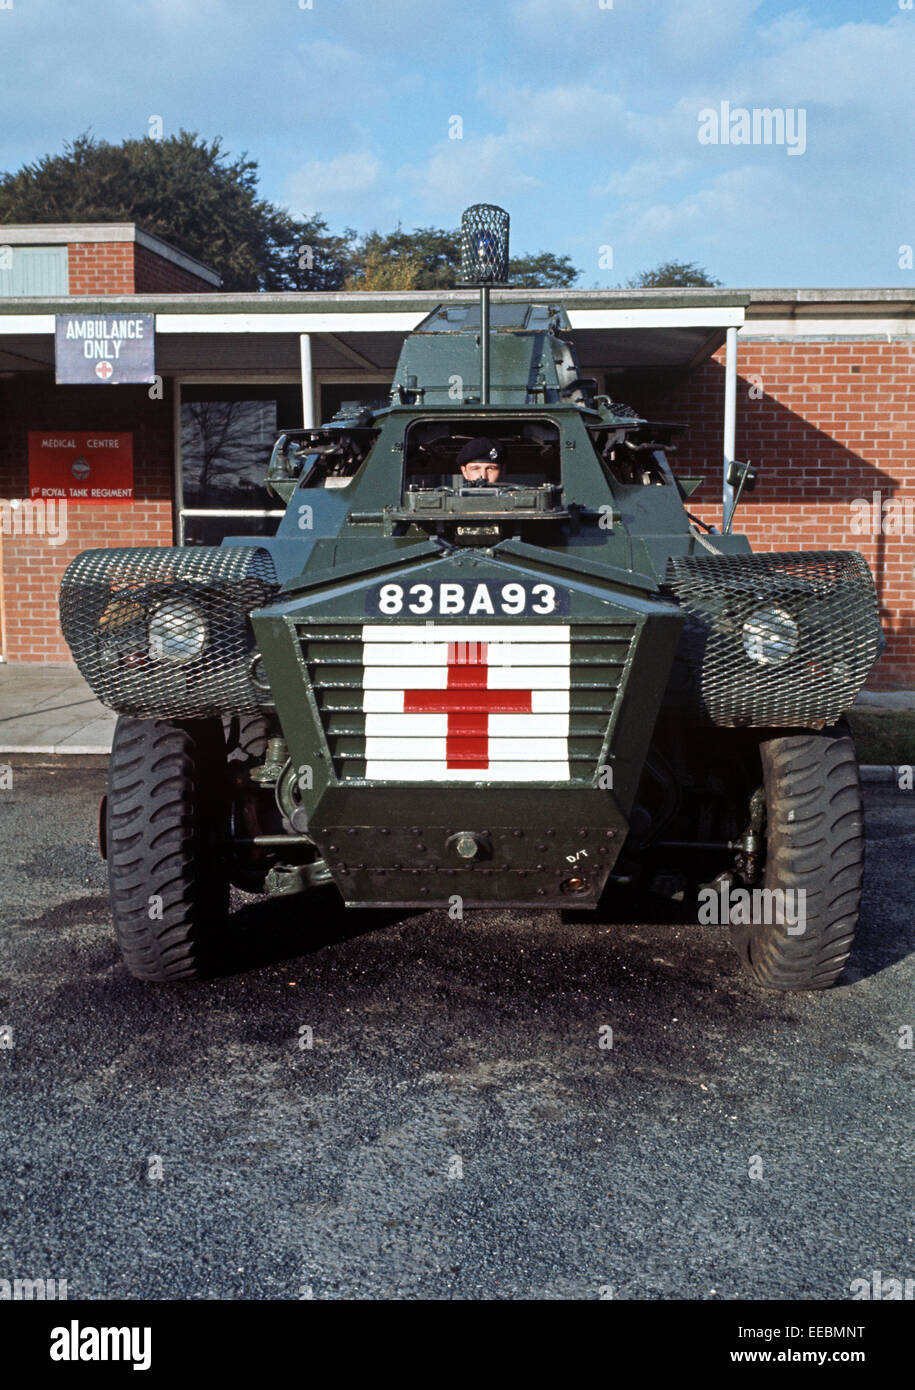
(484, 262)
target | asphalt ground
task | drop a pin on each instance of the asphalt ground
(455, 1130)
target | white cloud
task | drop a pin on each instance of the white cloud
(702, 32)
(869, 65)
(644, 177)
(558, 117)
(460, 172)
(633, 43)
(333, 186)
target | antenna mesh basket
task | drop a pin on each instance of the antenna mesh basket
(484, 245)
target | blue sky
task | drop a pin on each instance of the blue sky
(583, 121)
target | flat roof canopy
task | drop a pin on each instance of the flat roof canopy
(364, 332)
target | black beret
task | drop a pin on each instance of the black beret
(479, 449)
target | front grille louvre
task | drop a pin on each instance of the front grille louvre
(332, 654)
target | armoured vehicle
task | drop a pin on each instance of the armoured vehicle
(488, 659)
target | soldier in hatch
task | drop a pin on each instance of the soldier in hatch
(480, 462)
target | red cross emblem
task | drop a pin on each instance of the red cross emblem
(104, 370)
(468, 703)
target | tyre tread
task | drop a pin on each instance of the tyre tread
(165, 778)
(821, 853)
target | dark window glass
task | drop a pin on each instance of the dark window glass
(227, 433)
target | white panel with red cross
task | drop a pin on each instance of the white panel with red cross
(460, 702)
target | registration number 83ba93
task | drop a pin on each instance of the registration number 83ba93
(475, 598)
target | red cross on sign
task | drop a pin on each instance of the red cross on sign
(104, 370)
(468, 703)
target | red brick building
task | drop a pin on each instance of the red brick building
(830, 420)
(819, 379)
(95, 258)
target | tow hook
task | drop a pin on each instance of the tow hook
(748, 858)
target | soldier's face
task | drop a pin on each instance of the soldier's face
(482, 470)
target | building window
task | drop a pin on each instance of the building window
(227, 433)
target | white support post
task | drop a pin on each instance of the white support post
(308, 383)
(730, 421)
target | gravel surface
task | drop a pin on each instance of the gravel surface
(455, 1130)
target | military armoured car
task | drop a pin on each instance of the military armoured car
(489, 658)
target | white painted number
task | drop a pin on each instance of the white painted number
(513, 597)
(423, 600)
(547, 603)
(390, 600)
(452, 599)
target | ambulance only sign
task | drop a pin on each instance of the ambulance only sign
(104, 349)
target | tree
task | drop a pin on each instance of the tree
(543, 271)
(191, 193)
(377, 273)
(672, 275)
(433, 256)
(425, 259)
(223, 446)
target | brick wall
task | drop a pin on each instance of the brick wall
(101, 267)
(826, 423)
(125, 267)
(32, 566)
(155, 275)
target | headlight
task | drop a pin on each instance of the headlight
(177, 631)
(122, 630)
(769, 636)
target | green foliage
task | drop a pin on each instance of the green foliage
(543, 271)
(189, 192)
(375, 272)
(193, 194)
(672, 275)
(436, 256)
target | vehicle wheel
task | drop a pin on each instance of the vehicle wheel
(246, 737)
(815, 843)
(166, 820)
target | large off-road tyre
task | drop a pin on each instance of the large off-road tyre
(814, 843)
(246, 737)
(166, 821)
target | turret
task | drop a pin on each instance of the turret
(529, 360)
